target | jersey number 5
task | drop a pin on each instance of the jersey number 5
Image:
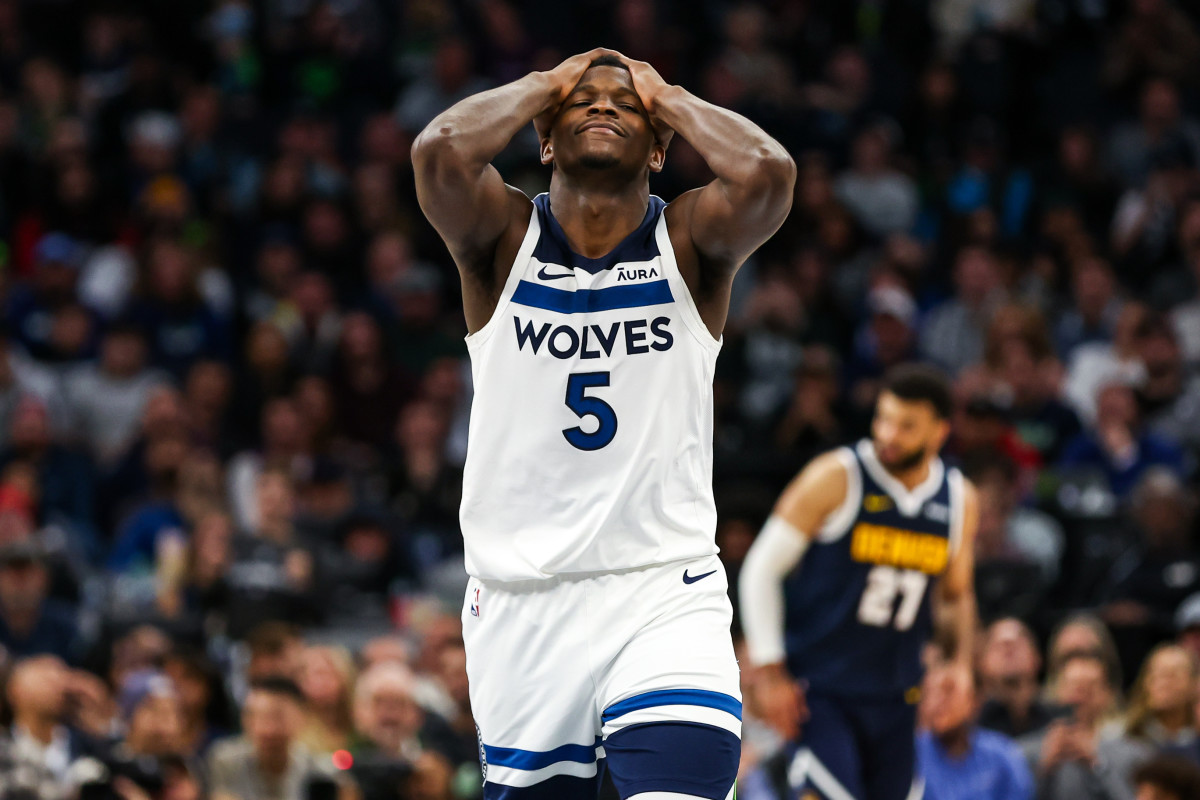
(583, 406)
(878, 604)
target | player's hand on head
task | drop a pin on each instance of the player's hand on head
(649, 86)
(564, 78)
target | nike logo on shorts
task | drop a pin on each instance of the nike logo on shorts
(693, 578)
(546, 276)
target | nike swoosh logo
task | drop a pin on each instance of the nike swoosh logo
(693, 578)
(546, 276)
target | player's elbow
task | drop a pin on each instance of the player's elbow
(436, 144)
(771, 178)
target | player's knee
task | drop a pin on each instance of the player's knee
(669, 759)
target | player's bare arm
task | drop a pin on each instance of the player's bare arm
(481, 219)
(716, 227)
(799, 514)
(956, 593)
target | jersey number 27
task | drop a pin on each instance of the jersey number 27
(884, 585)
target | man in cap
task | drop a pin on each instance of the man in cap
(32, 308)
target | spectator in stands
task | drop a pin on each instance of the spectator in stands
(1008, 530)
(423, 486)
(882, 199)
(1169, 398)
(1069, 759)
(266, 762)
(1081, 632)
(1008, 673)
(1118, 445)
(107, 399)
(272, 574)
(1092, 317)
(181, 325)
(956, 758)
(31, 308)
(191, 576)
(21, 376)
(886, 338)
(31, 623)
(275, 650)
(1162, 704)
(369, 388)
(43, 751)
(397, 732)
(953, 333)
(810, 424)
(197, 491)
(150, 707)
(203, 705)
(1160, 118)
(1096, 364)
(385, 714)
(1153, 578)
(327, 678)
(65, 479)
(1020, 361)
(1187, 625)
(1167, 777)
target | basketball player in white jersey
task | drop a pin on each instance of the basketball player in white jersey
(596, 619)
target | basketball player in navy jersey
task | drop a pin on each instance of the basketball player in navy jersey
(596, 619)
(840, 591)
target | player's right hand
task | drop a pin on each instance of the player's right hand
(778, 699)
(563, 79)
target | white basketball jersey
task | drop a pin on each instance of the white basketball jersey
(590, 446)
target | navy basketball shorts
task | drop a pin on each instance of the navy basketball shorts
(856, 749)
(633, 672)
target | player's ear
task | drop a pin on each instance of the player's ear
(547, 151)
(943, 433)
(658, 157)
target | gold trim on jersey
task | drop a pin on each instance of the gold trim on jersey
(883, 544)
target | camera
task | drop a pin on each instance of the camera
(380, 777)
(145, 772)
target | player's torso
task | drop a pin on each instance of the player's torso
(859, 608)
(590, 444)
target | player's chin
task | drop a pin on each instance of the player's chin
(599, 161)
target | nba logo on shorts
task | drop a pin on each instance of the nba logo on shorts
(475, 604)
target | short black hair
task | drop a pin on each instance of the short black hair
(609, 61)
(278, 685)
(1173, 774)
(921, 382)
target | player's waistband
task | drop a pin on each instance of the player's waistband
(530, 585)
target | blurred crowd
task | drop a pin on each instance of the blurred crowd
(234, 393)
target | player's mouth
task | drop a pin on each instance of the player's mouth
(600, 127)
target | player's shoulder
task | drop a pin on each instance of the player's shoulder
(826, 477)
(832, 464)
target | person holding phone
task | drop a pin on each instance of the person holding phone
(1069, 759)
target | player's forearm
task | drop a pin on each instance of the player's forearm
(776, 551)
(741, 154)
(962, 614)
(473, 131)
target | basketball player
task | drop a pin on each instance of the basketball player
(596, 619)
(879, 531)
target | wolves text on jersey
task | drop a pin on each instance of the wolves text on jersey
(595, 341)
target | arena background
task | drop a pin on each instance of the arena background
(234, 392)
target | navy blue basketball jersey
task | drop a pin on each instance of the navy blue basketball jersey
(859, 608)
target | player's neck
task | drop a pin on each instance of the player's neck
(912, 478)
(596, 220)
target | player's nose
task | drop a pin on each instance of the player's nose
(602, 105)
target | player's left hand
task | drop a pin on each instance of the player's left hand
(650, 87)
